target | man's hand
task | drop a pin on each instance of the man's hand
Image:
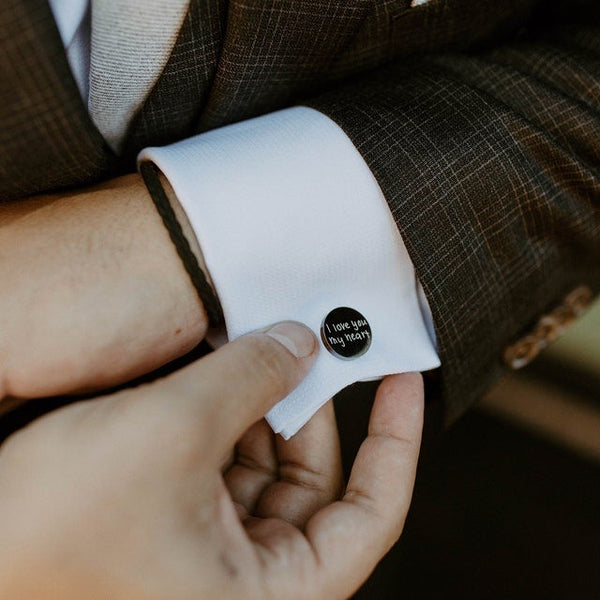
(94, 291)
(135, 495)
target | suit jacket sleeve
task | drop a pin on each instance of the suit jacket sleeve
(490, 162)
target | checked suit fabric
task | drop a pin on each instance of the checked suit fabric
(480, 121)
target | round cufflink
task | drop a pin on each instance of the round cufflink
(346, 333)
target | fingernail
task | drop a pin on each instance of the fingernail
(297, 338)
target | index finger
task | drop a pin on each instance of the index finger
(351, 536)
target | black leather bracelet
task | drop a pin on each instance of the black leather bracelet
(150, 174)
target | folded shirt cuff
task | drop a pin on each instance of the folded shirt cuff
(293, 225)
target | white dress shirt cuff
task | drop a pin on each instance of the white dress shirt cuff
(292, 225)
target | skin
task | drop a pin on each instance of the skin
(176, 489)
(98, 294)
(133, 496)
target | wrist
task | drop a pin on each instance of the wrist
(184, 242)
(105, 299)
(186, 227)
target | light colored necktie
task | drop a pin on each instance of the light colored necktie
(130, 44)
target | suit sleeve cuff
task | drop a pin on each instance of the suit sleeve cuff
(292, 225)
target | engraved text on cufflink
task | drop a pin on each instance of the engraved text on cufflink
(346, 333)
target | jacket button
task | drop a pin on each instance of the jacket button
(579, 299)
(564, 317)
(523, 352)
(548, 329)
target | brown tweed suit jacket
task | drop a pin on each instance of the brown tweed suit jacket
(480, 120)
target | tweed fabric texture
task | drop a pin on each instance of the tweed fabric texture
(480, 121)
(47, 140)
(235, 60)
(491, 161)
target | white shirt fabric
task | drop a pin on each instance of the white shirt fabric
(73, 22)
(292, 225)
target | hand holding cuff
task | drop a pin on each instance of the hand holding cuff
(293, 225)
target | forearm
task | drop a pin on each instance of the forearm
(95, 291)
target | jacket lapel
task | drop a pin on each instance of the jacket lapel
(47, 140)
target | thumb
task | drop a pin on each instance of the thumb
(232, 388)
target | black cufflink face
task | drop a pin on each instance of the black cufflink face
(346, 333)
